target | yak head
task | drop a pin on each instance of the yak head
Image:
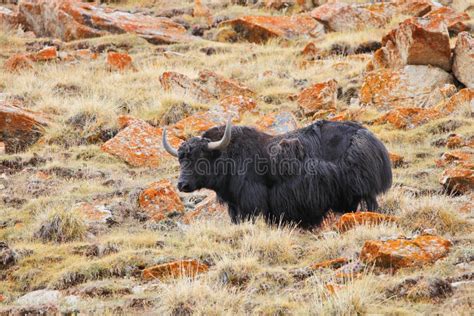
(196, 159)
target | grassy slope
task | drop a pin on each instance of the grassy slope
(253, 262)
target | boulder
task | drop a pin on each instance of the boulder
(259, 29)
(71, 20)
(236, 105)
(402, 253)
(45, 54)
(119, 61)
(9, 17)
(19, 127)
(207, 87)
(93, 213)
(453, 19)
(320, 96)
(160, 199)
(341, 17)
(415, 8)
(411, 86)
(350, 220)
(198, 123)
(277, 123)
(457, 157)
(179, 83)
(221, 87)
(139, 144)
(463, 60)
(454, 141)
(462, 100)
(18, 62)
(206, 208)
(175, 269)
(458, 179)
(40, 297)
(404, 118)
(419, 41)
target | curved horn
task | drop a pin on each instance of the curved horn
(224, 142)
(167, 146)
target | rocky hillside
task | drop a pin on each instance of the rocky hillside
(90, 218)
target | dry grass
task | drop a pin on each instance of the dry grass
(252, 265)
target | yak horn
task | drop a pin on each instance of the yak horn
(224, 142)
(167, 146)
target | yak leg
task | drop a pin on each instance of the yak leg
(371, 202)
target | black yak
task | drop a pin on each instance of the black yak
(295, 177)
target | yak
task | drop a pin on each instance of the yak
(296, 177)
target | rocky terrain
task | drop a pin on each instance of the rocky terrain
(90, 218)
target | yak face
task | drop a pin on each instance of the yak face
(194, 156)
(195, 159)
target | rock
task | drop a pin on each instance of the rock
(19, 128)
(160, 199)
(411, 86)
(454, 141)
(259, 29)
(236, 105)
(200, 11)
(321, 96)
(119, 61)
(421, 288)
(139, 144)
(454, 20)
(206, 208)
(413, 7)
(350, 220)
(18, 62)
(402, 253)
(463, 60)
(46, 54)
(9, 17)
(341, 17)
(39, 298)
(8, 257)
(404, 118)
(462, 100)
(277, 123)
(93, 213)
(221, 87)
(458, 179)
(330, 264)
(176, 269)
(420, 41)
(198, 123)
(396, 159)
(71, 20)
(178, 83)
(457, 157)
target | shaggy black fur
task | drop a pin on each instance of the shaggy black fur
(295, 177)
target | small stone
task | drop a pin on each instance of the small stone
(160, 199)
(119, 61)
(318, 97)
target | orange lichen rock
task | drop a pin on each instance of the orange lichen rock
(458, 179)
(402, 253)
(258, 29)
(159, 199)
(277, 123)
(119, 61)
(350, 220)
(71, 20)
(320, 96)
(397, 160)
(139, 144)
(175, 269)
(20, 127)
(18, 62)
(206, 208)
